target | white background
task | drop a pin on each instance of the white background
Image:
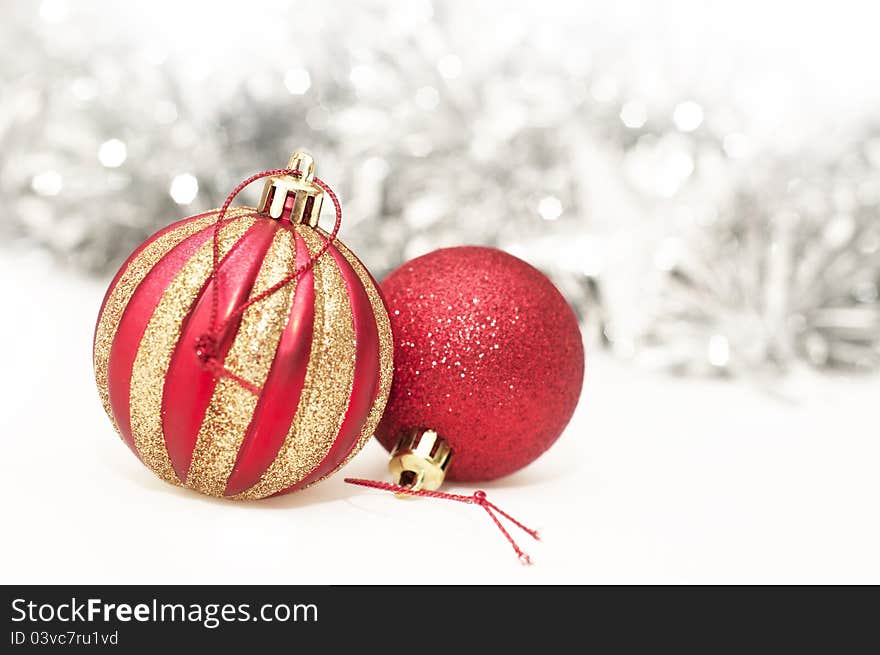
(655, 480)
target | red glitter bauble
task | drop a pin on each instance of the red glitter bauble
(486, 352)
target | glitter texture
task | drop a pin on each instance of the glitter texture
(157, 345)
(250, 356)
(386, 353)
(487, 353)
(327, 385)
(121, 292)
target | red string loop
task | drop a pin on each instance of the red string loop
(477, 498)
(206, 345)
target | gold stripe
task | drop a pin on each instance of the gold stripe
(157, 345)
(327, 386)
(232, 406)
(386, 354)
(121, 293)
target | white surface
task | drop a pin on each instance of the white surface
(656, 480)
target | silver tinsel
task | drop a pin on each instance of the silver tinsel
(684, 227)
(788, 270)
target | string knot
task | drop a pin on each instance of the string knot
(480, 497)
(206, 349)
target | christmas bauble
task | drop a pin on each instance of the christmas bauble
(488, 359)
(305, 371)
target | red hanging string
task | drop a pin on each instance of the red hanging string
(206, 345)
(477, 498)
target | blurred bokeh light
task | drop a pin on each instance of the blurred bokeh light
(702, 179)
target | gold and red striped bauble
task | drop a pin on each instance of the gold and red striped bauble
(309, 365)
